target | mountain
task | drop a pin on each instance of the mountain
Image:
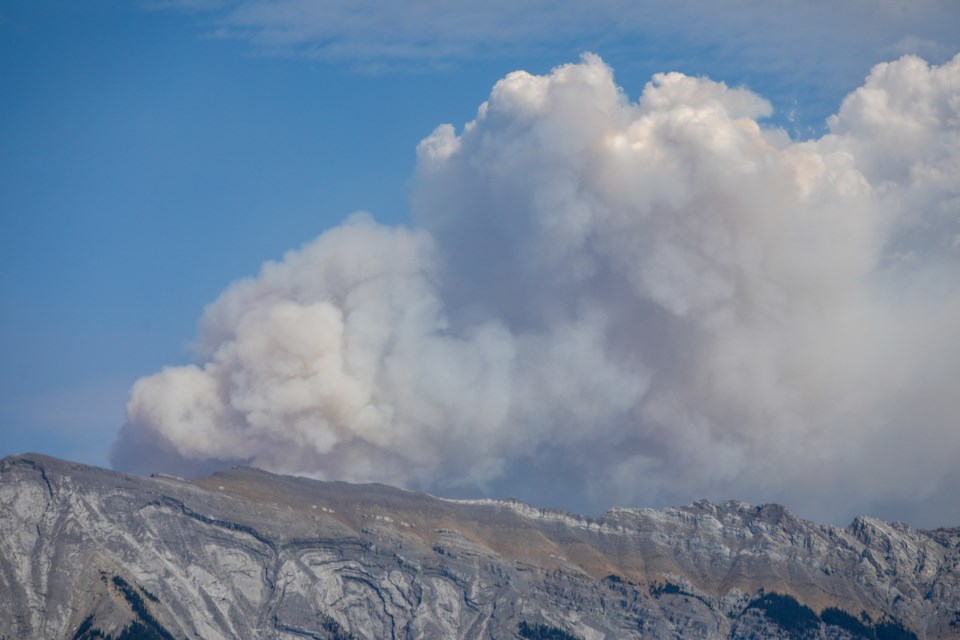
(91, 553)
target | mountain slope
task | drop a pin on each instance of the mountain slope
(88, 553)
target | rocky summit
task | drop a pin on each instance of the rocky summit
(90, 553)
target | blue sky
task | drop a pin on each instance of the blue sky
(153, 152)
(144, 167)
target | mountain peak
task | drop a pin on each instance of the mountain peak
(244, 553)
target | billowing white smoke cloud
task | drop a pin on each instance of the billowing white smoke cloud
(607, 302)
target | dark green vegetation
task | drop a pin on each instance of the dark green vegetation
(146, 627)
(543, 632)
(336, 632)
(143, 627)
(799, 620)
(84, 631)
(667, 588)
(140, 631)
(893, 630)
(137, 630)
(787, 613)
(886, 630)
(840, 618)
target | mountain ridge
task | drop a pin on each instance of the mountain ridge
(244, 553)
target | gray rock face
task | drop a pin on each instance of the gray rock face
(87, 553)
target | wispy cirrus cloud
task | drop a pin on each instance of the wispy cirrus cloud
(803, 54)
(431, 29)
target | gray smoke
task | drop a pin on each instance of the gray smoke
(606, 302)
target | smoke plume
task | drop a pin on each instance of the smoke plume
(613, 302)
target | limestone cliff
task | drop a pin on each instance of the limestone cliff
(90, 553)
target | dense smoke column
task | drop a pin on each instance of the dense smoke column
(614, 302)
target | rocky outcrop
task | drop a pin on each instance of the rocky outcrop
(91, 553)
